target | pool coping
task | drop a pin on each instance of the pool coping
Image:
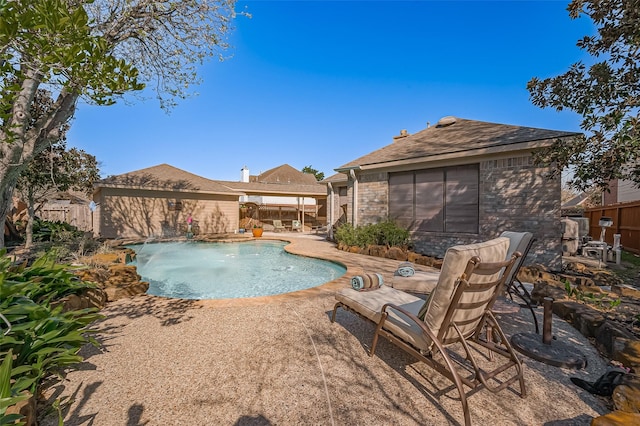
(307, 245)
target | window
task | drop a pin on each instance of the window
(175, 205)
(436, 200)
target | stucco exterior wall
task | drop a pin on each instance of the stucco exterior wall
(141, 213)
(514, 196)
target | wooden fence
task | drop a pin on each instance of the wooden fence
(78, 215)
(626, 222)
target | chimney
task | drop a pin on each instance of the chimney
(244, 174)
(403, 134)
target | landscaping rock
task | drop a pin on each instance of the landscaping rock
(116, 281)
(87, 298)
(396, 253)
(577, 267)
(553, 289)
(626, 396)
(531, 273)
(27, 408)
(124, 255)
(117, 293)
(606, 278)
(606, 334)
(626, 291)
(617, 418)
(588, 321)
(378, 251)
(590, 287)
(627, 352)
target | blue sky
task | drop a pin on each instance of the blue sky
(321, 83)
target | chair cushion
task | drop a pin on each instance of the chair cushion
(369, 304)
(518, 241)
(453, 266)
(420, 282)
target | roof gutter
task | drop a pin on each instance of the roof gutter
(499, 149)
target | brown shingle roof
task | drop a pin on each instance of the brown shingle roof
(461, 136)
(282, 189)
(338, 177)
(165, 177)
(285, 174)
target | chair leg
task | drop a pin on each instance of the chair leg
(526, 298)
(335, 309)
(376, 335)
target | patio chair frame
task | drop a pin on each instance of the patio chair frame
(278, 225)
(485, 321)
(515, 286)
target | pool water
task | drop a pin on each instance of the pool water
(191, 270)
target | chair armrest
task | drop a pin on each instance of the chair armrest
(409, 315)
(414, 319)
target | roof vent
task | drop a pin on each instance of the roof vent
(446, 121)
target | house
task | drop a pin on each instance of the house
(282, 193)
(157, 201)
(458, 182)
(621, 191)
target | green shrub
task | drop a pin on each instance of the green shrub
(9, 394)
(44, 230)
(41, 340)
(384, 233)
(346, 234)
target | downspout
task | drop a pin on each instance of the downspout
(330, 207)
(354, 201)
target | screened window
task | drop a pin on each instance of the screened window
(436, 200)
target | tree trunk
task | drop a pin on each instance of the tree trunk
(20, 145)
(31, 215)
(6, 202)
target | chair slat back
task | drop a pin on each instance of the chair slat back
(454, 266)
(475, 294)
(518, 242)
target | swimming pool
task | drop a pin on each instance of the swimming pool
(192, 270)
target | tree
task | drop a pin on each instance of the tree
(55, 170)
(606, 95)
(308, 169)
(95, 51)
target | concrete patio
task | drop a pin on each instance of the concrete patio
(280, 361)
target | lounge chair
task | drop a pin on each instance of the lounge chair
(423, 282)
(296, 225)
(520, 242)
(457, 311)
(278, 226)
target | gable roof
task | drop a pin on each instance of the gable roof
(285, 174)
(167, 178)
(336, 178)
(455, 136)
(279, 189)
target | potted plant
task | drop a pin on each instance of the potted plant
(257, 230)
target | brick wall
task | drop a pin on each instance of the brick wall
(373, 201)
(514, 195)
